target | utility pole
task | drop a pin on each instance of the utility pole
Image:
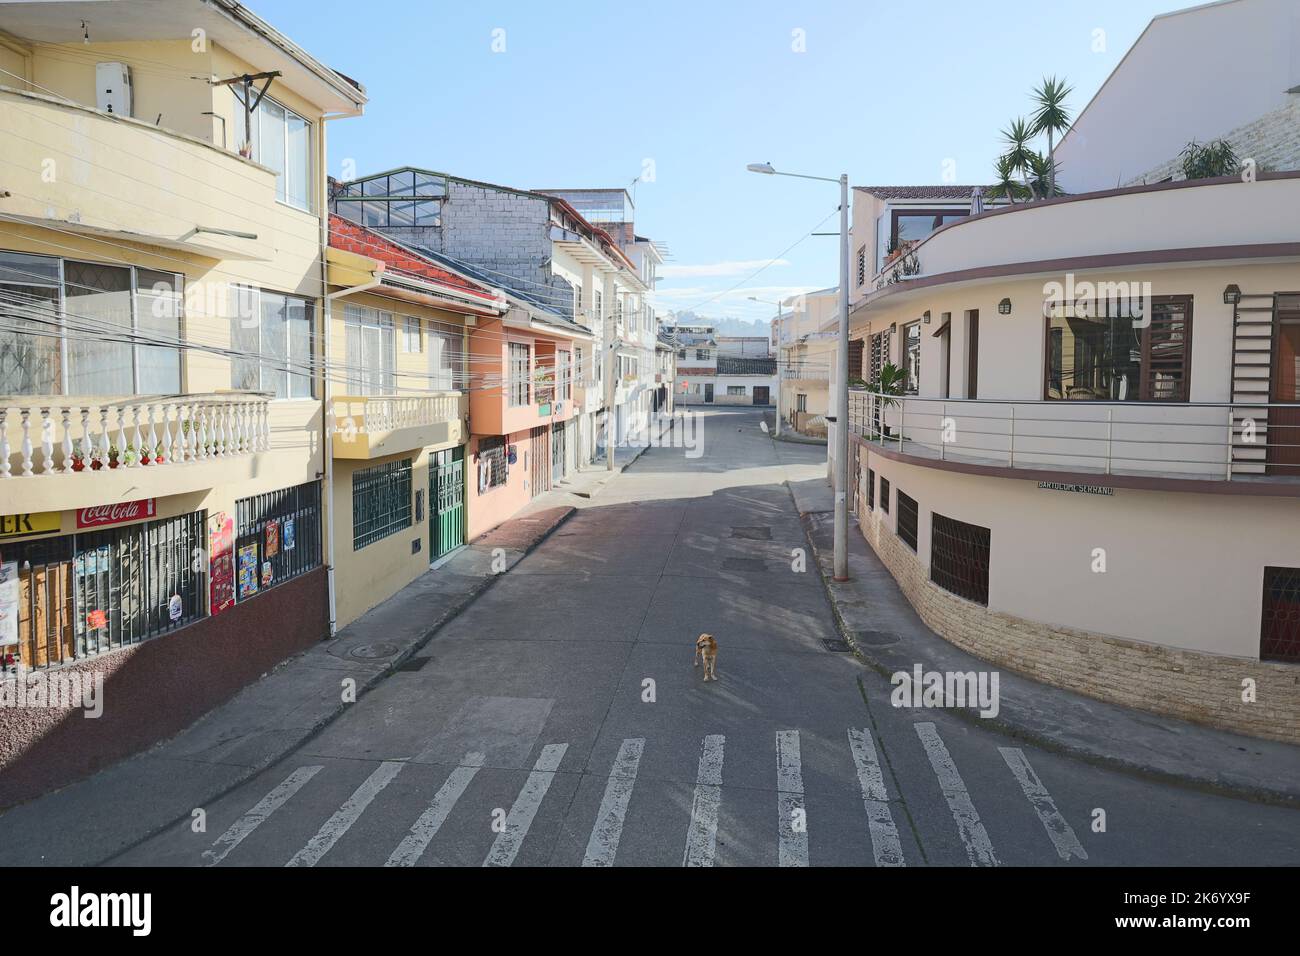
(842, 398)
(611, 351)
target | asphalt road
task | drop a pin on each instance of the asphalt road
(559, 721)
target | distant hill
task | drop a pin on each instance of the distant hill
(761, 327)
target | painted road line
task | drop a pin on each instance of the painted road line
(613, 806)
(414, 844)
(337, 825)
(506, 846)
(255, 817)
(884, 835)
(791, 816)
(976, 840)
(1062, 835)
(702, 837)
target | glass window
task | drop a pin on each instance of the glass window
(519, 372)
(100, 359)
(375, 187)
(297, 171)
(401, 213)
(915, 225)
(912, 358)
(428, 213)
(1114, 356)
(273, 334)
(401, 184)
(158, 318)
(426, 185)
(282, 142)
(370, 351)
(446, 360)
(30, 357)
(411, 342)
(349, 210)
(374, 214)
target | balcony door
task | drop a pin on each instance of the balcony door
(1284, 422)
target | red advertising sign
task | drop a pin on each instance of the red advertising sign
(221, 569)
(101, 515)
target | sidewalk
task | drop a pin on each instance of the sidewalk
(272, 716)
(886, 632)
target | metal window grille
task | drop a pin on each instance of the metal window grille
(295, 536)
(81, 595)
(907, 520)
(871, 489)
(381, 502)
(492, 454)
(884, 495)
(959, 558)
(1279, 637)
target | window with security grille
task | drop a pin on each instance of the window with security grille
(878, 356)
(492, 461)
(907, 520)
(519, 374)
(871, 489)
(1279, 633)
(862, 265)
(959, 558)
(284, 525)
(381, 502)
(884, 495)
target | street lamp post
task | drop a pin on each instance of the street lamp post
(840, 444)
(777, 326)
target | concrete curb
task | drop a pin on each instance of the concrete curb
(446, 614)
(1207, 779)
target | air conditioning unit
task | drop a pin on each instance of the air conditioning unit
(113, 92)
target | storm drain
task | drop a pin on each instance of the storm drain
(374, 652)
(752, 532)
(838, 647)
(877, 638)
(413, 664)
(744, 564)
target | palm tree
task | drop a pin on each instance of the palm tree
(1052, 117)
(1042, 176)
(1017, 137)
(1006, 186)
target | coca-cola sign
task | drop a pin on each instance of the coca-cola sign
(119, 513)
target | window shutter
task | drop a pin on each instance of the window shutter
(1166, 351)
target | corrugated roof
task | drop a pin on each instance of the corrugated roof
(919, 192)
(734, 365)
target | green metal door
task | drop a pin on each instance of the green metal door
(447, 493)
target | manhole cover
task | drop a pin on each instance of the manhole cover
(839, 647)
(753, 532)
(373, 652)
(744, 564)
(877, 638)
(414, 664)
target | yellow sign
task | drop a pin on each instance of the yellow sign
(40, 522)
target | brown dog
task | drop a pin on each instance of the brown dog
(706, 649)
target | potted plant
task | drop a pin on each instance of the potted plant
(887, 383)
(158, 454)
(130, 456)
(113, 456)
(78, 461)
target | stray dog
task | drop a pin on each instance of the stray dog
(706, 649)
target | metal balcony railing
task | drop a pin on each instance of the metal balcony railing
(46, 436)
(1208, 441)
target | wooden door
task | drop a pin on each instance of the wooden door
(1284, 422)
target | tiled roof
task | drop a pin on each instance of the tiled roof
(920, 192)
(348, 235)
(734, 365)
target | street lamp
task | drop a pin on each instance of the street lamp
(840, 473)
(777, 327)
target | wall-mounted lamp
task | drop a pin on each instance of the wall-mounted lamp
(925, 317)
(1004, 307)
(1232, 295)
(893, 327)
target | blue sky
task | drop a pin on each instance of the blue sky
(586, 92)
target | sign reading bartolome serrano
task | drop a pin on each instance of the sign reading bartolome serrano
(101, 515)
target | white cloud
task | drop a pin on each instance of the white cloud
(733, 268)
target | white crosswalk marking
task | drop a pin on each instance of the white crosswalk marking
(978, 848)
(414, 844)
(613, 806)
(884, 835)
(337, 825)
(1058, 829)
(792, 850)
(702, 837)
(255, 817)
(506, 846)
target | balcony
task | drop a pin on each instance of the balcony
(818, 372)
(371, 426)
(57, 454)
(123, 177)
(1116, 444)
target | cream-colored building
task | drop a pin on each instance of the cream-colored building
(1093, 474)
(807, 335)
(162, 438)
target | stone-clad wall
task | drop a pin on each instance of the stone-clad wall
(1272, 141)
(1190, 685)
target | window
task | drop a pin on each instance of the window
(913, 225)
(972, 353)
(577, 302)
(681, 353)
(701, 355)
(1279, 636)
(597, 306)
(381, 502)
(393, 200)
(411, 343)
(283, 527)
(119, 328)
(735, 390)
(563, 380)
(959, 558)
(801, 402)
(907, 520)
(519, 374)
(494, 468)
(577, 365)
(273, 333)
(884, 494)
(371, 357)
(878, 355)
(1109, 357)
(871, 489)
(282, 141)
(911, 358)
(446, 359)
(862, 265)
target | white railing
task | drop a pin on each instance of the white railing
(52, 436)
(806, 371)
(371, 414)
(1184, 440)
